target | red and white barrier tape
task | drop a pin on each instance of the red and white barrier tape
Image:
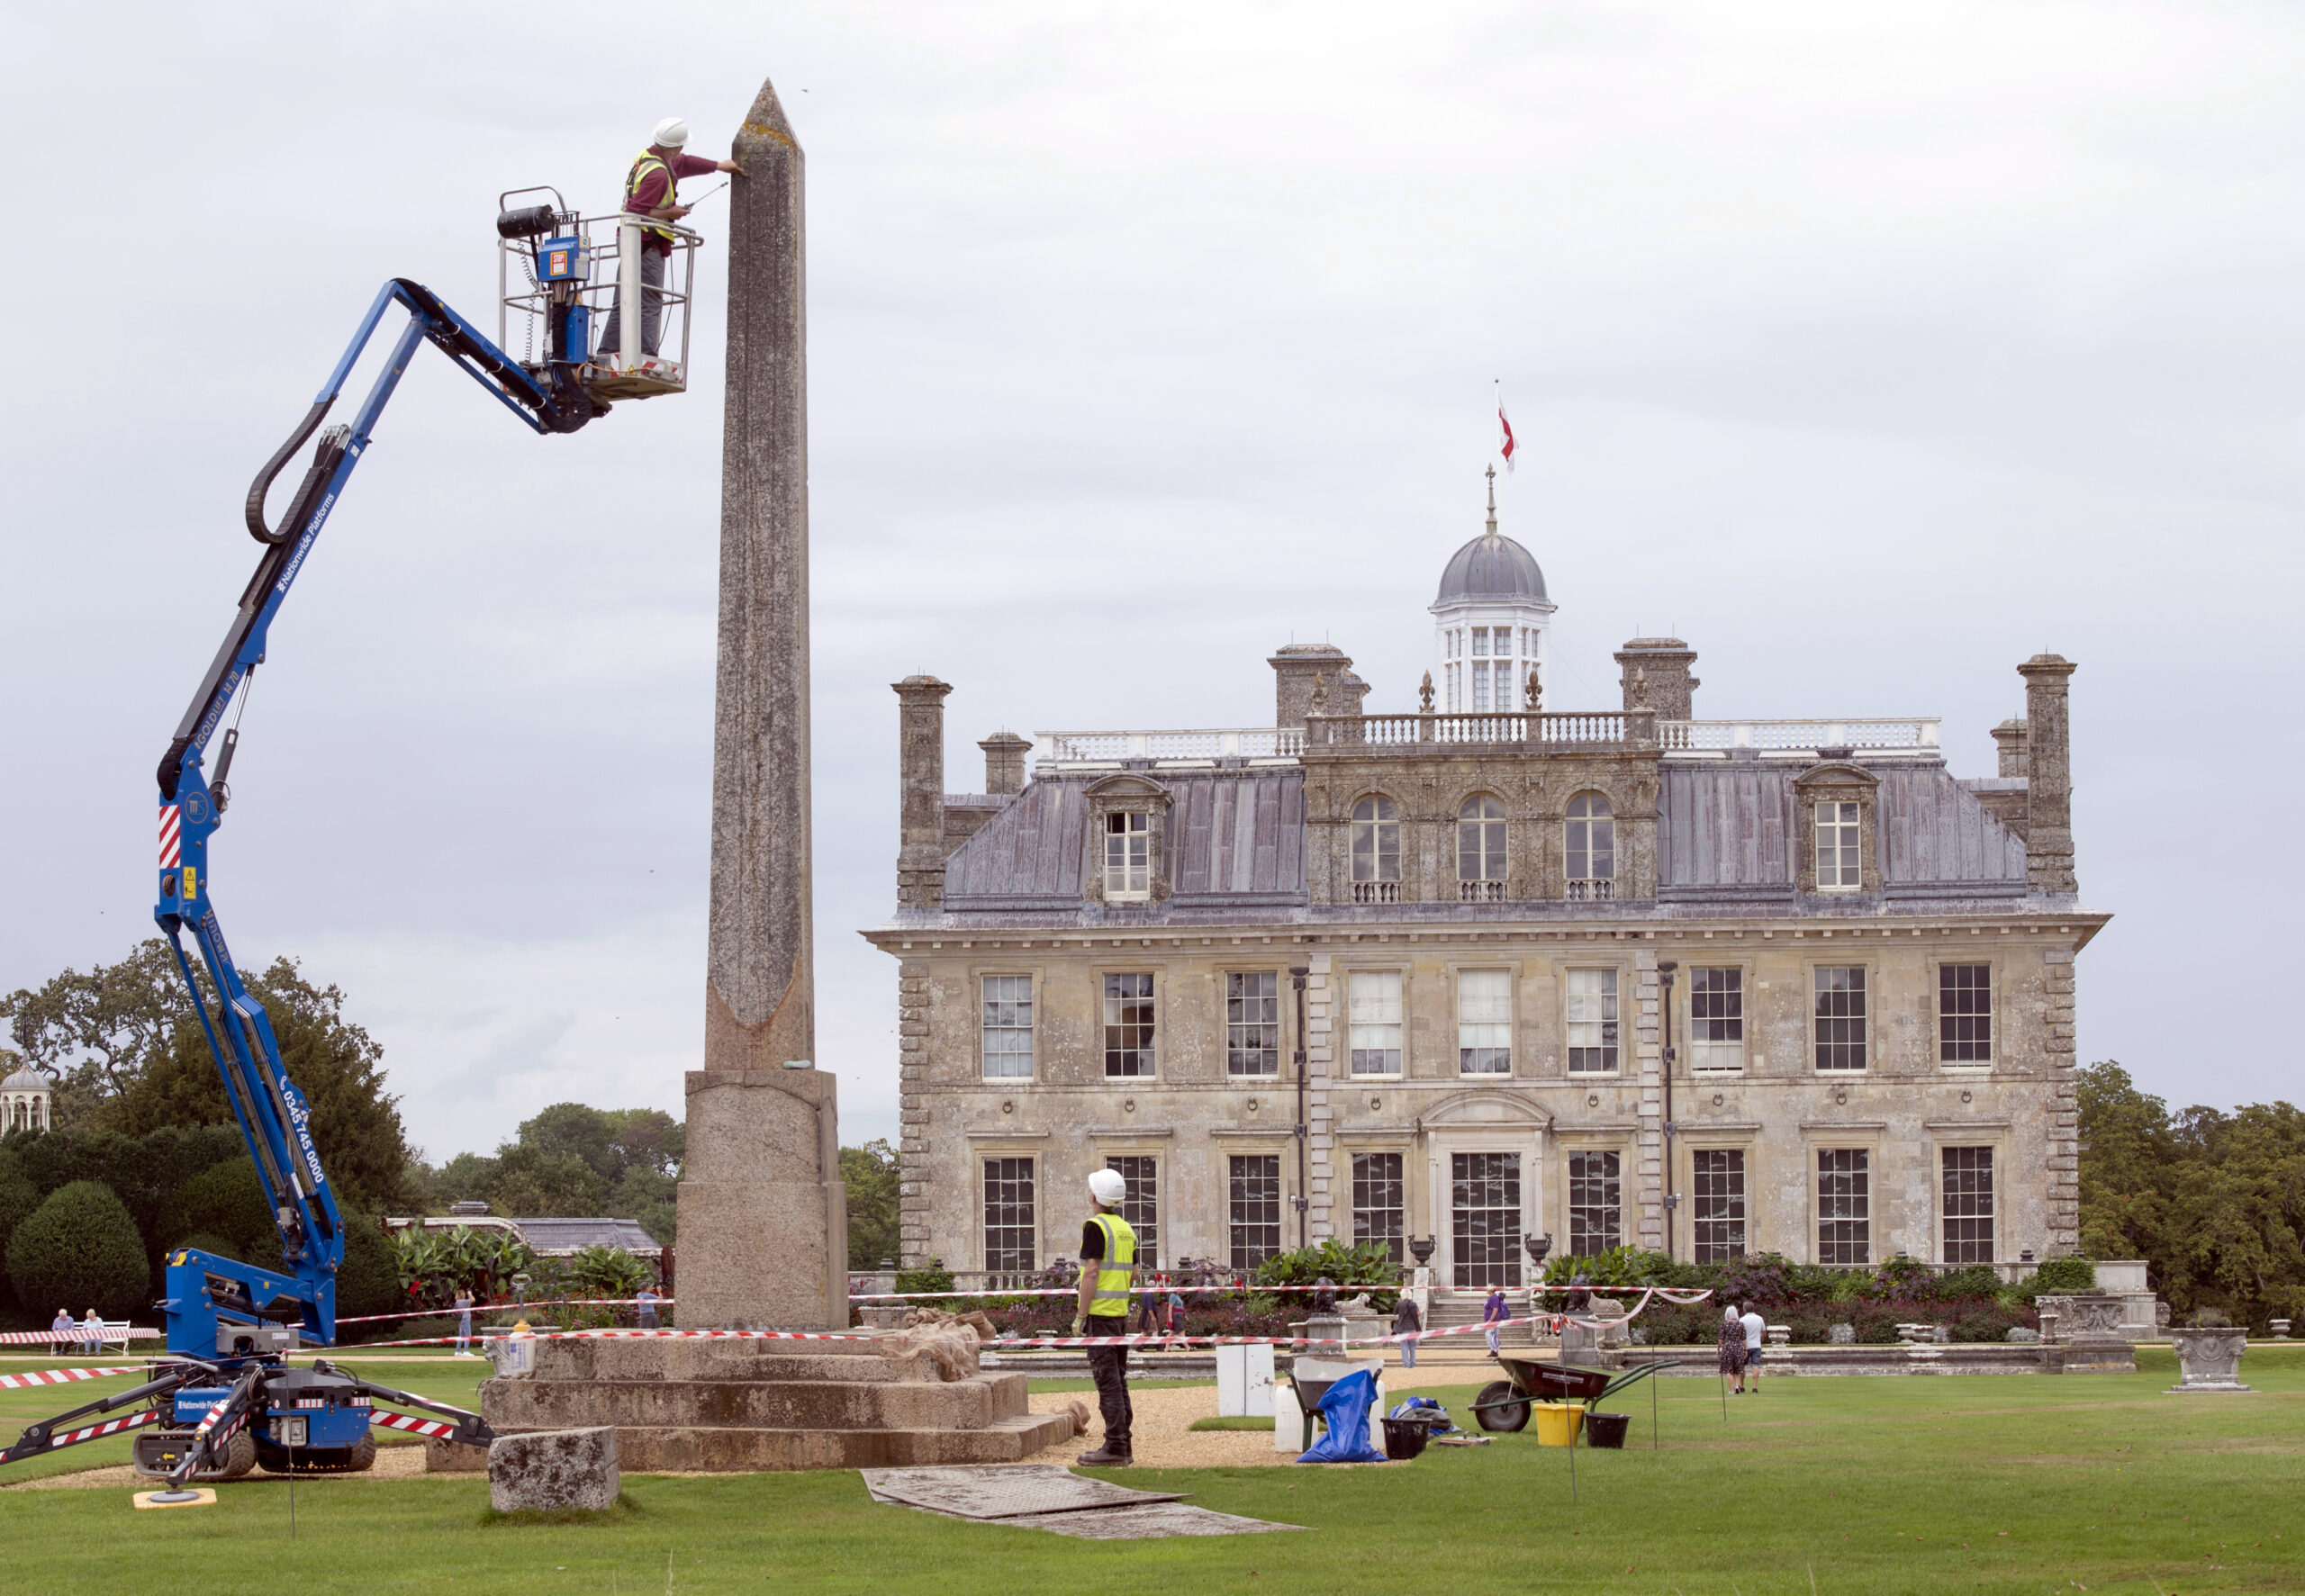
(62, 1376)
(1229, 1289)
(452, 1310)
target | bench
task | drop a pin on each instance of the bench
(109, 1334)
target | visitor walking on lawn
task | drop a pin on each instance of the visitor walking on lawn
(1407, 1322)
(1493, 1314)
(1756, 1327)
(1732, 1347)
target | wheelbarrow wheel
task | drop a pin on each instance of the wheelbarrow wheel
(1496, 1408)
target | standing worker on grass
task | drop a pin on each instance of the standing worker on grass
(1755, 1327)
(1107, 1267)
(651, 189)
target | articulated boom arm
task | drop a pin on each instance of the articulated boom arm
(274, 1117)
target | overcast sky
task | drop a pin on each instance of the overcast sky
(1871, 349)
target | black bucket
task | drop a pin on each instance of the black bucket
(1606, 1429)
(1405, 1437)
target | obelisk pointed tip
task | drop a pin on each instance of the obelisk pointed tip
(765, 122)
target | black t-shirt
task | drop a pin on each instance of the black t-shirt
(1093, 1241)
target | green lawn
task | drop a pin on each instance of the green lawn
(2001, 1484)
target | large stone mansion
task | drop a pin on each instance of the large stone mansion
(1483, 969)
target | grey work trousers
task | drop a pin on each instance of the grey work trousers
(652, 308)
(1108, 1367)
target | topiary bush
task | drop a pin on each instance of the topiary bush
(19, 1200)
(80, 1249)
(368, 1282)
(225, 1200)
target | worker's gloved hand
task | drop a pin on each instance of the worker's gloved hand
(1080, 1325)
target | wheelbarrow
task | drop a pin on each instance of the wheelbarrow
(1503, 1405)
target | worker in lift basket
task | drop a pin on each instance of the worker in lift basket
(1107, 1269)
(652, 188)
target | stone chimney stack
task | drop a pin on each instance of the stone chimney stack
(1294, 668)
(1664, 664)
(1004, 762)
(2010, 736)
(1345, 695)
(2048, 774)
(920, 762)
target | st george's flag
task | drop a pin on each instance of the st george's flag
(1506, 424)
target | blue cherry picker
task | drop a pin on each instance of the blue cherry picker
(224, 1398)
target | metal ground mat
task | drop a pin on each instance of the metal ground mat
(1046, 1496)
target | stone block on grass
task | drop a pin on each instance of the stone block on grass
(554, 1471)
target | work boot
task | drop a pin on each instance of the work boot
(1104, 1457)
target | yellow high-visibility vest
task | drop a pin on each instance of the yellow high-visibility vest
(1116, 1268)
(645, 162)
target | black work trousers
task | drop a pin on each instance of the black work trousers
(1108, 1367)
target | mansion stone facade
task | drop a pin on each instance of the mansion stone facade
(1483, 970)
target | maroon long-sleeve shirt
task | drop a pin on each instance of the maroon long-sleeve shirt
(660, 187)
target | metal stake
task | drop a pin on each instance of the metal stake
(1652, 1412)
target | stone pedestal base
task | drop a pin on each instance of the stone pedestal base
(764, 1213)
(554, 1471)
(742, 1406)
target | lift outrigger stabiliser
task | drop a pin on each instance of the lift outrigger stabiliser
(224, 1399)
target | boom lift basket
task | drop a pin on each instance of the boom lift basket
(561, 274)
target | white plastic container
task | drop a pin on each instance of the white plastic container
(1243, 1382)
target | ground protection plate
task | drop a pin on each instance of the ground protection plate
(1012, 1490)
(1046, 1496)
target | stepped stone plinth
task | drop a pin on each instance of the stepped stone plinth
(743, 1406)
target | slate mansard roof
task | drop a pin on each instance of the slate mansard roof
(1729, 838)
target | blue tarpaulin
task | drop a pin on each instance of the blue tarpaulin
(1345, 1409)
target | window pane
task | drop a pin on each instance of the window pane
(1254, 1181)
(1142, 1205)
(1128, 1024)
(1008, 1240)
(1844, 1207)
(1716, 1019)
(1008, 1026)
(1719, 1177)
(1480, 642)
(1485, 1219)
(1964, 1013)
(1376, 1022)
(1594, 1201)
(1968, 1205)
(1840, 1017)
(1485, 1021)
(1592, 1022)
(1377, 1202)
(1252, 1023)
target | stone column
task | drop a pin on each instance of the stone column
(2048, 774)
(1004, 762)
(921, 773)
(763, 1210)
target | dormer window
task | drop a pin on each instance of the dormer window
(1125, 849)
(1840, 848)
(1128, 856)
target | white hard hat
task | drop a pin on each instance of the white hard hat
(671, 133)
(1107, 1188)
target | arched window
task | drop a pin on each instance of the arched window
(1376, 851)
(1592, 849)
(1480, 851)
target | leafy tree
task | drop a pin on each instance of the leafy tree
(225, 1200)
(533, 1183)
(872, 1174)
(571, 1160)
(99, 1032)
(80, 1249)
(366, 1282)
(19, 1200)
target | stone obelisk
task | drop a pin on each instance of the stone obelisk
(763, 1229)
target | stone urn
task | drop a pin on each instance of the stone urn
(2210, 1356)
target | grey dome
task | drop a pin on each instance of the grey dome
(27, 1080)
(1492, 568)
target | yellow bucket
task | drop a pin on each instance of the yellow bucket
(1558, 1423)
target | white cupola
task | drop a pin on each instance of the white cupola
(24, 1099)
(1489, 623)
